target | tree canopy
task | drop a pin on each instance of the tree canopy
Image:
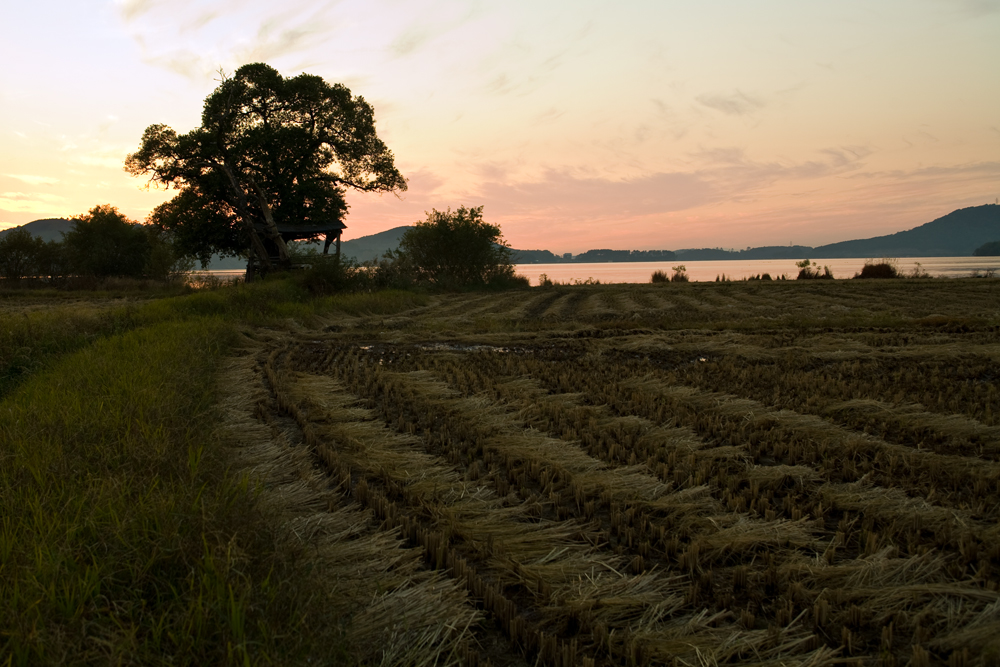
(101, 243)
(104, 242)
(270, 150)
(456, 249)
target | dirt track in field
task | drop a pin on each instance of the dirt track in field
(698, 474)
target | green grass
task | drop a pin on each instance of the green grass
(30, 337)
(124, 537)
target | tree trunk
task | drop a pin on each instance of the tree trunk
(256, 245)
(272, 228)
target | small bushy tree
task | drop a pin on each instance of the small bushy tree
(456, 249)
(809, 270)
(20, 252)
(879, 269)
(104, 242)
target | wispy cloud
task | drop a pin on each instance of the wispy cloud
(239, 32)
(36, 203)
(133, 9)
(28, 196)
(34, 180)
(114, 161)
(410, 40)
(585, 197)
(735, 104)
(974, 8)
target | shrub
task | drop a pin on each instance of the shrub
(24, 256)
(104, 242)
(19, 254)
(328, 274)
(879, 270)
(457, 249)
(680, 274)
(659, 277)
(810, 271)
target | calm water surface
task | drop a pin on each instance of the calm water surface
(736, 269)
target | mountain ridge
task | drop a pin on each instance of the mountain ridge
(956, 234)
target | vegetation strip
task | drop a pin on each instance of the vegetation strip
(590, 478)
(127, 533)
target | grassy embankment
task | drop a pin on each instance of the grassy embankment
(125, 536)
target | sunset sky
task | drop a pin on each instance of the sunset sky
(578, 125)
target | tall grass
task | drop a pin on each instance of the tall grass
(124, 536)
(115, 547)
(29, 338)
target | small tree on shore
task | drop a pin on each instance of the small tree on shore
(809, 270)
(456, 249)
(20, 252)
(105, 242)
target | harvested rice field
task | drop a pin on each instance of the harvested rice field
(699, 474)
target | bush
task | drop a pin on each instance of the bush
(456, 249)
(879, 270)
(104, 242)
(328, 274)
(19, 254)
(659, 277)
(680, 274)
(810, 271)
(24, 256)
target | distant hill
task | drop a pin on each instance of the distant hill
(991, 249)
(373, 246)
(49, 229)
(957, 234)
(604, 255)
(535, 257)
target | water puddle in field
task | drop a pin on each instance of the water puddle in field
(389, 353)
(464, 347)
(445, 347)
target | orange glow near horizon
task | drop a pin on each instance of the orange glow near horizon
(650, 125)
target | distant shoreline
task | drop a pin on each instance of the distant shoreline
(732, 269)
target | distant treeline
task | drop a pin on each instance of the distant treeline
(598, 255)
(607, 255)
(101, 244)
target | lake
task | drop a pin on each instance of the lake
(737, 269)
(707, 270)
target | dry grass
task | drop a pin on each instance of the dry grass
(742, 473)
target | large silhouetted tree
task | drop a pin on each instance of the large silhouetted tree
(270, 151)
